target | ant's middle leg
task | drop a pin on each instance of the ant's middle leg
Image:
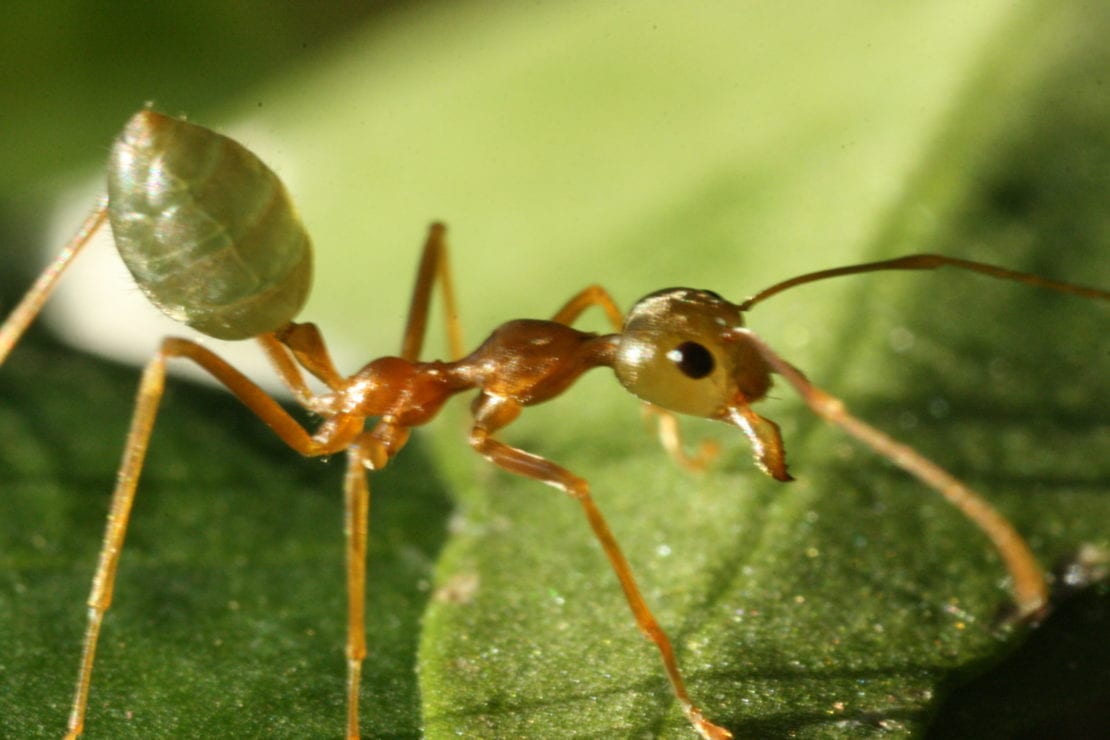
(306, 343)
(495, 414)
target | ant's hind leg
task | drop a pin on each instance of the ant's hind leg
(100, 597)
(151, 388)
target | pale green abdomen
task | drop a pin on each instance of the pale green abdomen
(207, 230)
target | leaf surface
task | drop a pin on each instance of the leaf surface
(723, 149)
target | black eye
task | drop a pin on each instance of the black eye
(692, 359)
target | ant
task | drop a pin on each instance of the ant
(185, 202)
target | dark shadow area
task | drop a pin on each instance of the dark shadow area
(1060, 677)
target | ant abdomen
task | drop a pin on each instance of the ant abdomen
(185, 201)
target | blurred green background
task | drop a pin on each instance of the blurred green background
(636, 145)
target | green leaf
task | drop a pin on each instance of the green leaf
(724, 147)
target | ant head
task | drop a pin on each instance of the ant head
(679, 350)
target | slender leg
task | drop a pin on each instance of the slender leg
(356, 513)
(433, 265)
(670, 437)
(371, 451)
(100, 598)
(594, 295)
(306, 344)
(335, 435)
(532, 466)
(288, 371)
(28, 308)
(1029, 587)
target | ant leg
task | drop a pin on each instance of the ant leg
(492, 415)
(433, 265)
(301, 343)
(670, 437)
(371, 451)
(356, 523)
(335, 435)
(368, 452)
(594, 295)
(287, 369)
(1029, 587)
(29, 307)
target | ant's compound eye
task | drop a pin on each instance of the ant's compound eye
(673, 351)
(692, 359)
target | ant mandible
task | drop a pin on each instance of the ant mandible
(184, 201)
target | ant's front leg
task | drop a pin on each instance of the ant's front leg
(491, 413)
(1029, 587)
